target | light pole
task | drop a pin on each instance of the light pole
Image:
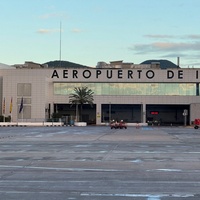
(185, 113)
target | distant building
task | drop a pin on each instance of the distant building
(121, 65)
(30, 65)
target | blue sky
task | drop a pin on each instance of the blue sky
(100, 30)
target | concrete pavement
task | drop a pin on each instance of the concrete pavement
(150, 163)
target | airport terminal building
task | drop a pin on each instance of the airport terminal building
(134, 94)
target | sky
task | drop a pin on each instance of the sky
(91, 31)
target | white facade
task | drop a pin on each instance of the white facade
(37, 88)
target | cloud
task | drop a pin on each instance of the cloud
(158, 36)
(165, 47)
(170, 46)
(54, 15)
(76, 30)
(172, 55)
(47, 31)
(193, 36)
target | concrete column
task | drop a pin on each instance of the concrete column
(143, 113)
(98, 114)
(51, 108)
(194, 111)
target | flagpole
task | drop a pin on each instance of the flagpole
(21, 108)
(4, 109)
(11, 105)
(22, 115)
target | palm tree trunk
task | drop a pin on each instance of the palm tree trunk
(81, 111)
(77, 113)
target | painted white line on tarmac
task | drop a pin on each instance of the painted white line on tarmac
(28, 192)
(166, 170)
(64, 169)
(149, 196)
(154, 152)
(153, 198)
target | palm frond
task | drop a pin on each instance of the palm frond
(81, 96)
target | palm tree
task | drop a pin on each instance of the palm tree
(81, 96)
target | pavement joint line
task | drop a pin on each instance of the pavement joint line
(78, 181)
(110, 151)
